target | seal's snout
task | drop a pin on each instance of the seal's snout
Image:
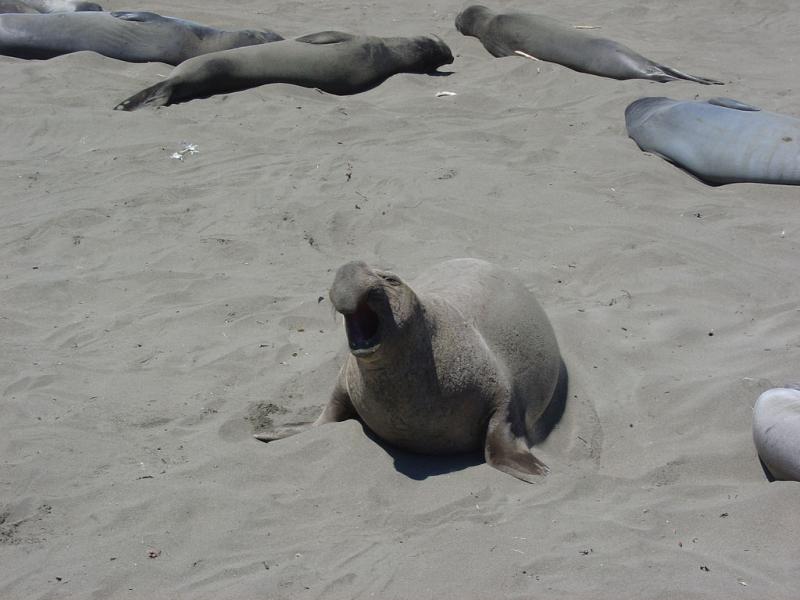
(442, 51)
(432, 53)
(350, 286)
(460, 22)
(262, 36)
(353, 287)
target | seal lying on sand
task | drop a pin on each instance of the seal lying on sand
(718, 141)
(465, 360)
(46, 6)
(334, 62)
(546, 39)
(129, 36)
(776, 432)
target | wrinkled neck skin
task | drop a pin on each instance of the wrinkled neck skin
(401, 355)
(474, 20)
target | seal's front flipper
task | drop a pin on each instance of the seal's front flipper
(734, 104)
(339, 407)
(325, 37)
(142, 17)
(663, 74)
(509, 453)
(159, 94)
(277, 434)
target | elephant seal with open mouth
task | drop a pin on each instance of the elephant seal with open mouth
(464, 359)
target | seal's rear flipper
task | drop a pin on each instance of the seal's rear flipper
(156, 95)
(509, 453)
(277, 434)
(670, 74)
(325, 37)
(770, 477)
(143, 17)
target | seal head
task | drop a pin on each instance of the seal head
(376, 306)
(471, 20)
(432, 52)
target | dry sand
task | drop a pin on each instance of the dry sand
(156, 311)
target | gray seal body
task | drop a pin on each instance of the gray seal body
(128, 36)
(776, 432)
(47, 6)
(332, 61)
(462, 359)
(543, 38)
(720, 140)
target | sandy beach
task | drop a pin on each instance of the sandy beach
(157, 311)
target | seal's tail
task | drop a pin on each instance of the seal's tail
(159, 94)
(670, 74)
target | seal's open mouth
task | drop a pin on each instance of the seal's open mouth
(362, 330)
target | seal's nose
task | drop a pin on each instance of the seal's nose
(351, 283)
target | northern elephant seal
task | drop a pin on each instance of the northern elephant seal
(464, 359)
(543, 38)
(720, 140)
(46, 6)
(129, 36)
(332, 61)
(776, 432)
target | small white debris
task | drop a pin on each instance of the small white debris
(586, 26)
(444, 94)
(187, 149)
(526, 55)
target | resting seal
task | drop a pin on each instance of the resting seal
(718, 141)
(129, 36)
(466, 359)
(776, 432)
(552, 41)
(334, 62)
(46, 6)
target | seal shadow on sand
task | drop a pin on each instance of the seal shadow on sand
(421, 466)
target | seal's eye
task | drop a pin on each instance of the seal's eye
(390, 279)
